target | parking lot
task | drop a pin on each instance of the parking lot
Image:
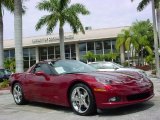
(37, 111)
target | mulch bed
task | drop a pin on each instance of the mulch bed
(7, 88)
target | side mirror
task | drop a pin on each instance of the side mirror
(41, 73)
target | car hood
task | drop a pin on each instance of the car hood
(134, 70)
(113, 76)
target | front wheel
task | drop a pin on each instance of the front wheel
(18, 94)
(82, 100)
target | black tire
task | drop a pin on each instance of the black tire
(18, 95)
(85, 101)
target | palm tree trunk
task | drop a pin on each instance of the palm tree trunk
(18, 35)
(155, 40)
(158, 24)
(122, 54)
(142, 57)
(128, 58)
(1, 41)
(61, 36)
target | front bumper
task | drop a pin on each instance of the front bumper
(127, 96)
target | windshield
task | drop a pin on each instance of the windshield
(71, 66)
(118, 65)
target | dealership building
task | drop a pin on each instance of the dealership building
(98, 41)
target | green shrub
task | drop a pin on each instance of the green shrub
(4, 84)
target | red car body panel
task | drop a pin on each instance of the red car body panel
(55, 89)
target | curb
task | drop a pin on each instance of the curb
(3, 92)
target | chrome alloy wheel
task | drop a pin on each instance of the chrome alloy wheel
(80, 99)
(17, 94)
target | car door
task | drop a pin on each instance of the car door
(40, 85)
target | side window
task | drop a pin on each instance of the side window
(37, 68)
(42, 67)
(45, 68)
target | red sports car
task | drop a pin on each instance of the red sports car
(73, 83)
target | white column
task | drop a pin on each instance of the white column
(37, 55)
(77, 51)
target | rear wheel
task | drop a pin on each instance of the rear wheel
(18, 94)
(82, 100)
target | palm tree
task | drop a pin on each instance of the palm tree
(61, 13)
(89, 56)
(123, 43)
(8, 4)
(142, 37)
(10, 64)
(111, 56)
(18, 35)
(155, 5)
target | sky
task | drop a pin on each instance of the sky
(103, 14)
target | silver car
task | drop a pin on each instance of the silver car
(111, 66)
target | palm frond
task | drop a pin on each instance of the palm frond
(51, 24)
(63, 4)
(49, 20)
(142, 5)
(8, 4)
(119, 41)
(128, 43)
(72, 18)
(45, 5)
(149, 50)
(79, 9)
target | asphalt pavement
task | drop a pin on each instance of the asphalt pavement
(149, 110)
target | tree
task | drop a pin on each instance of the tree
(111, 56)
(9, 5)
(99, 57)
(142, 38)
(10, 64)
(89, 56)
(60, 13)
(155, 5)
(123, 43)
(18, 35)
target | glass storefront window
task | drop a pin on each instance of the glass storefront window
(90, 46)
(113, 45)
(51, 52)
(12, 53)
(43, 53)
(107, 46)
(99, 49)
(57, 52)
(67, 51)
(73, 51)
(6, 54)
(82, 49)
(29, 57)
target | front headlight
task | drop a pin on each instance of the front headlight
(103, 80)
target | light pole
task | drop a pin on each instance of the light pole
(155, 39)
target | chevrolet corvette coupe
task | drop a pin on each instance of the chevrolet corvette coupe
(74, 84)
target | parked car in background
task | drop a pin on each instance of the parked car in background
(111, 66)
(4, 74)
(75, 84)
